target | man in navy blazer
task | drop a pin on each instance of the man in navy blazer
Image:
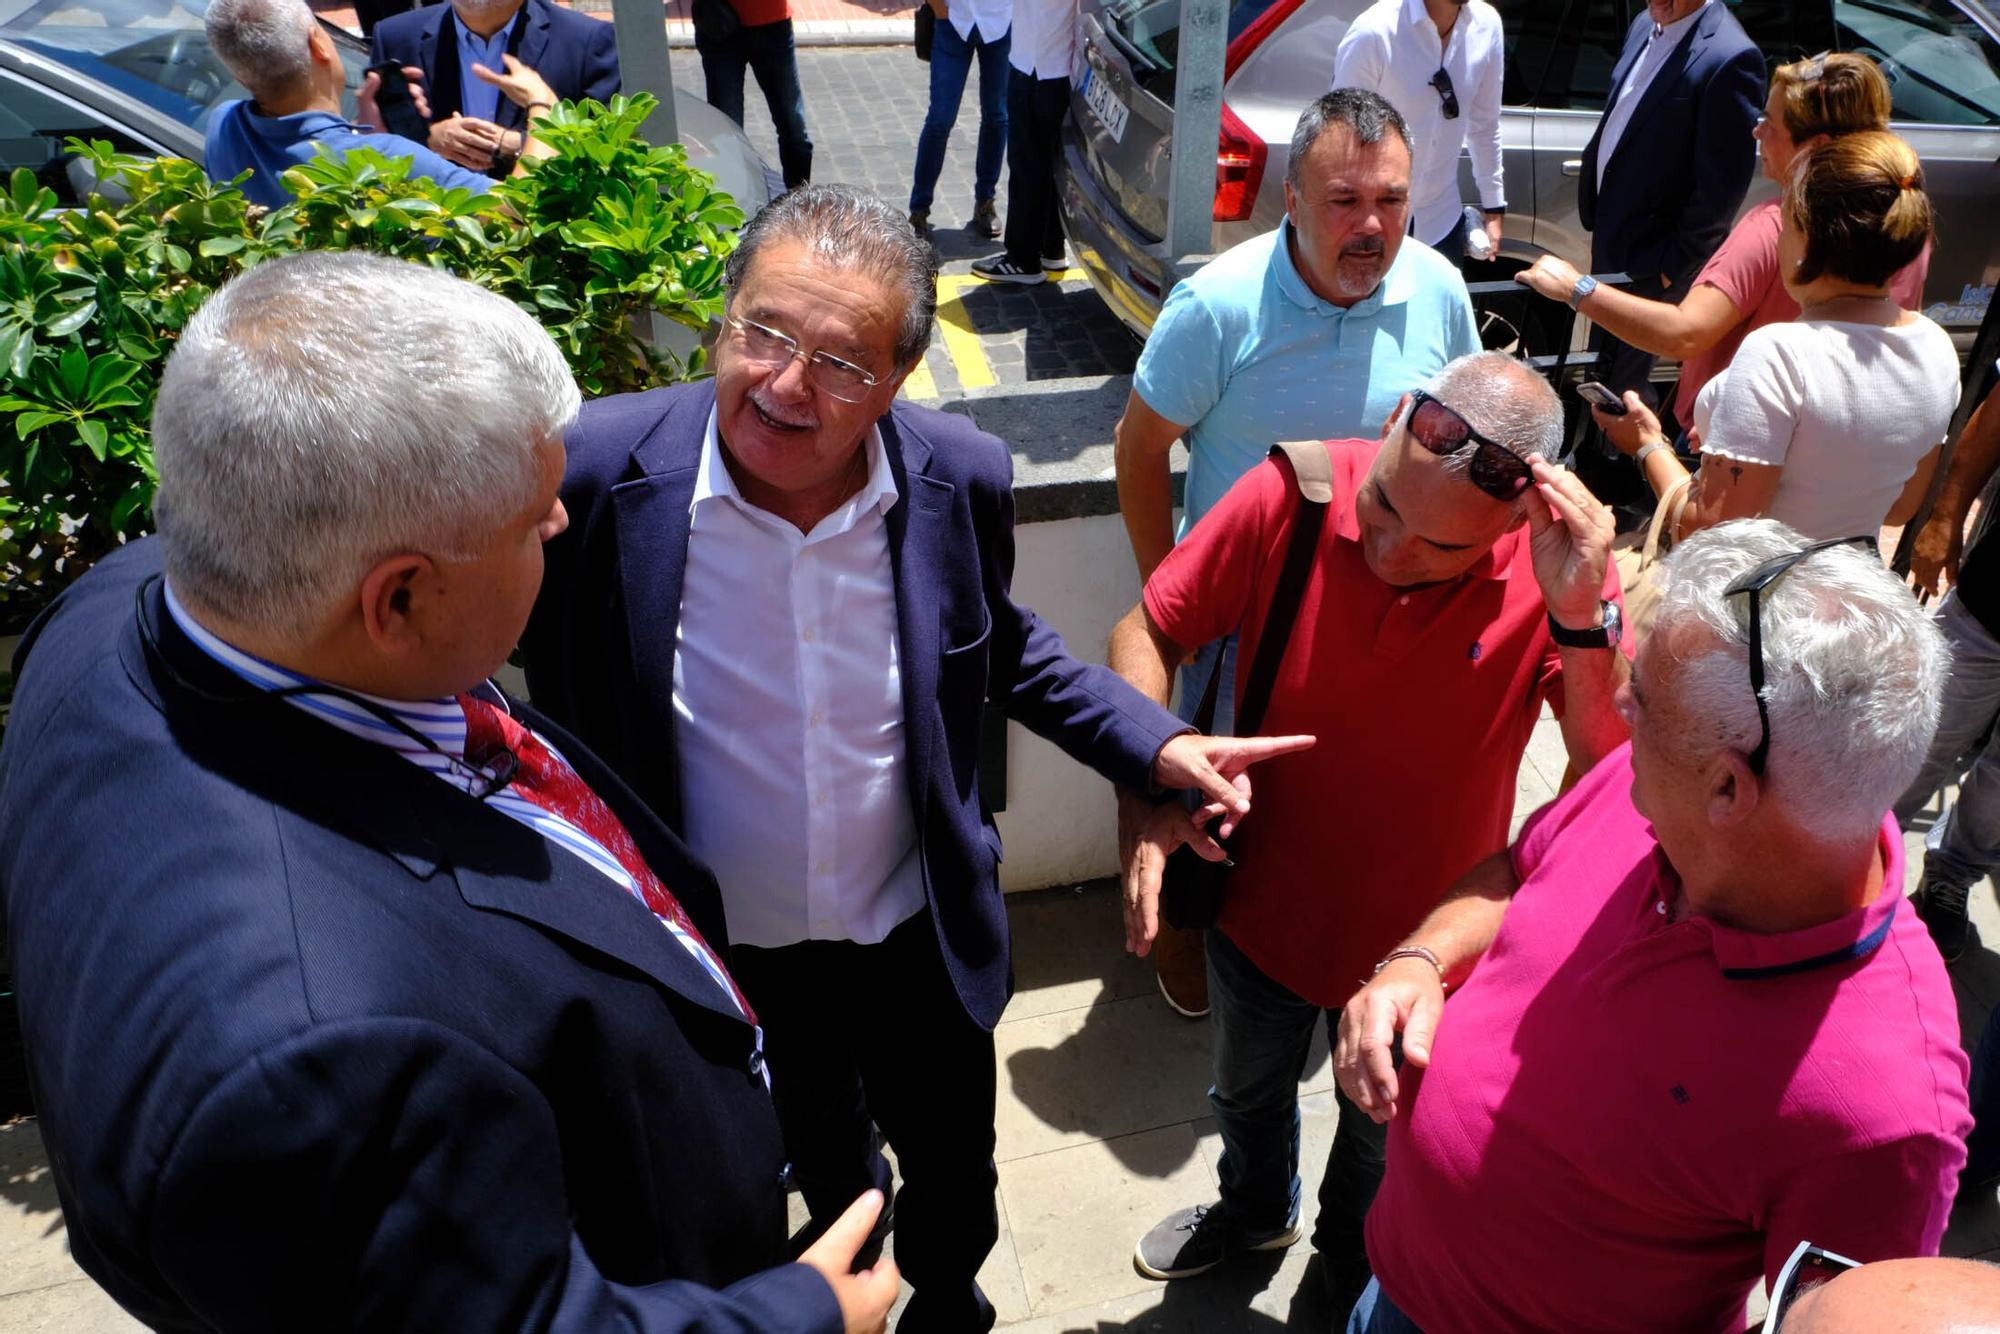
(470, 124)
(780, 614)
(1665, 173)
(356, 995)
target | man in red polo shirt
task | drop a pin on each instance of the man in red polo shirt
(1460, 581)
(1704, 1025)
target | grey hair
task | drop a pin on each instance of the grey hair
(851, 229)
(1853, 670)
(1368, 114)
(1501, 397)
(326, 410)
(264, 44)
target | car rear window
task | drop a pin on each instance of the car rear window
(1151, 31)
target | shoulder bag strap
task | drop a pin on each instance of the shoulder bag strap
(1312, 468)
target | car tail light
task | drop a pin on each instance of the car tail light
(1239, 168)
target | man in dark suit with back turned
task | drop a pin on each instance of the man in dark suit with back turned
(1665, 172)
(470, 123)
(781, 611)
(356, 995)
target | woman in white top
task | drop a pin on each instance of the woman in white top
(1831, 423)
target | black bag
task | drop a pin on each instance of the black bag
(1191, 888)
(715, 20)
(926, 28)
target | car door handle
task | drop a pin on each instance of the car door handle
(1573, 167)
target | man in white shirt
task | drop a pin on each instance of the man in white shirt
(784, 606)
(1044, 40)
(967, 30)
(1439, 62)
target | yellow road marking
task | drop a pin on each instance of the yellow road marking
(974, 370)
(961, 342)
(918, 383)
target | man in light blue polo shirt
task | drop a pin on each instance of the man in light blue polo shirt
(1311, 332)
(277, 50)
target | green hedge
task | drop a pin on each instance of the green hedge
(589, 242)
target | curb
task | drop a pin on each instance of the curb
(820, 32)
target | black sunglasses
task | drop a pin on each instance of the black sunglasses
(1442, 82)
(1496, 469)
(1754, 583)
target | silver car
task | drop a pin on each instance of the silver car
(1941, 57)
(140, 73)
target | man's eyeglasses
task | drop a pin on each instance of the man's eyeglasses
(1496, 469)
(829, 374)
(1446, 94)
(1753, 583)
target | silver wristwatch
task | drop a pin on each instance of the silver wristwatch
(1585, 285)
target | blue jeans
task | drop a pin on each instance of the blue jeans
(766, 51)
(951, 61)
(1965, 843)
(1376, 1314)
(1262, 1032)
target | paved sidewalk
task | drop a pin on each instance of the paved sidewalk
(1103, 1128)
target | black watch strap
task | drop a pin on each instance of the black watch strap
(1599, 636)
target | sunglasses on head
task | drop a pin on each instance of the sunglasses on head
(1752, 584)
(1496, 469)
(1446, 94)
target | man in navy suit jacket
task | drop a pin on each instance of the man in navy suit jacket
(1665, 172)
(470, 123)
(339, 1014)
(780, 614)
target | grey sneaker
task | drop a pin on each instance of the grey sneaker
(1194, 1241)
(1941, 907)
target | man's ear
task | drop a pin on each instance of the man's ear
(389, 594)
(1734, 793)
(323, 50)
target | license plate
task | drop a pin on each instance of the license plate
(1106, 105)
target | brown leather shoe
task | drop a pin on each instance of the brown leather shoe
(1180, 962)
(986, 220)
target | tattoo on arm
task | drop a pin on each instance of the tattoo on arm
(1735, 474)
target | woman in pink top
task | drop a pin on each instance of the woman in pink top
(1738, 289)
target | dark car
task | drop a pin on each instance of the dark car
(141, 74)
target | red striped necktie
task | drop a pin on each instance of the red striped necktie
(545, 779)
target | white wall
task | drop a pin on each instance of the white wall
(1060, 825)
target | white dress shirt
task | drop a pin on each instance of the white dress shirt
(1044, 38)
(1393, 49)
(1637, 80)
(991, 17)
(788, 714)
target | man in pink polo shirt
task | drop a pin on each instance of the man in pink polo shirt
(1459, 581)
(1704, 1024)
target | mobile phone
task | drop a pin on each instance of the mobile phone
(398, 108)
(1599, 396)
